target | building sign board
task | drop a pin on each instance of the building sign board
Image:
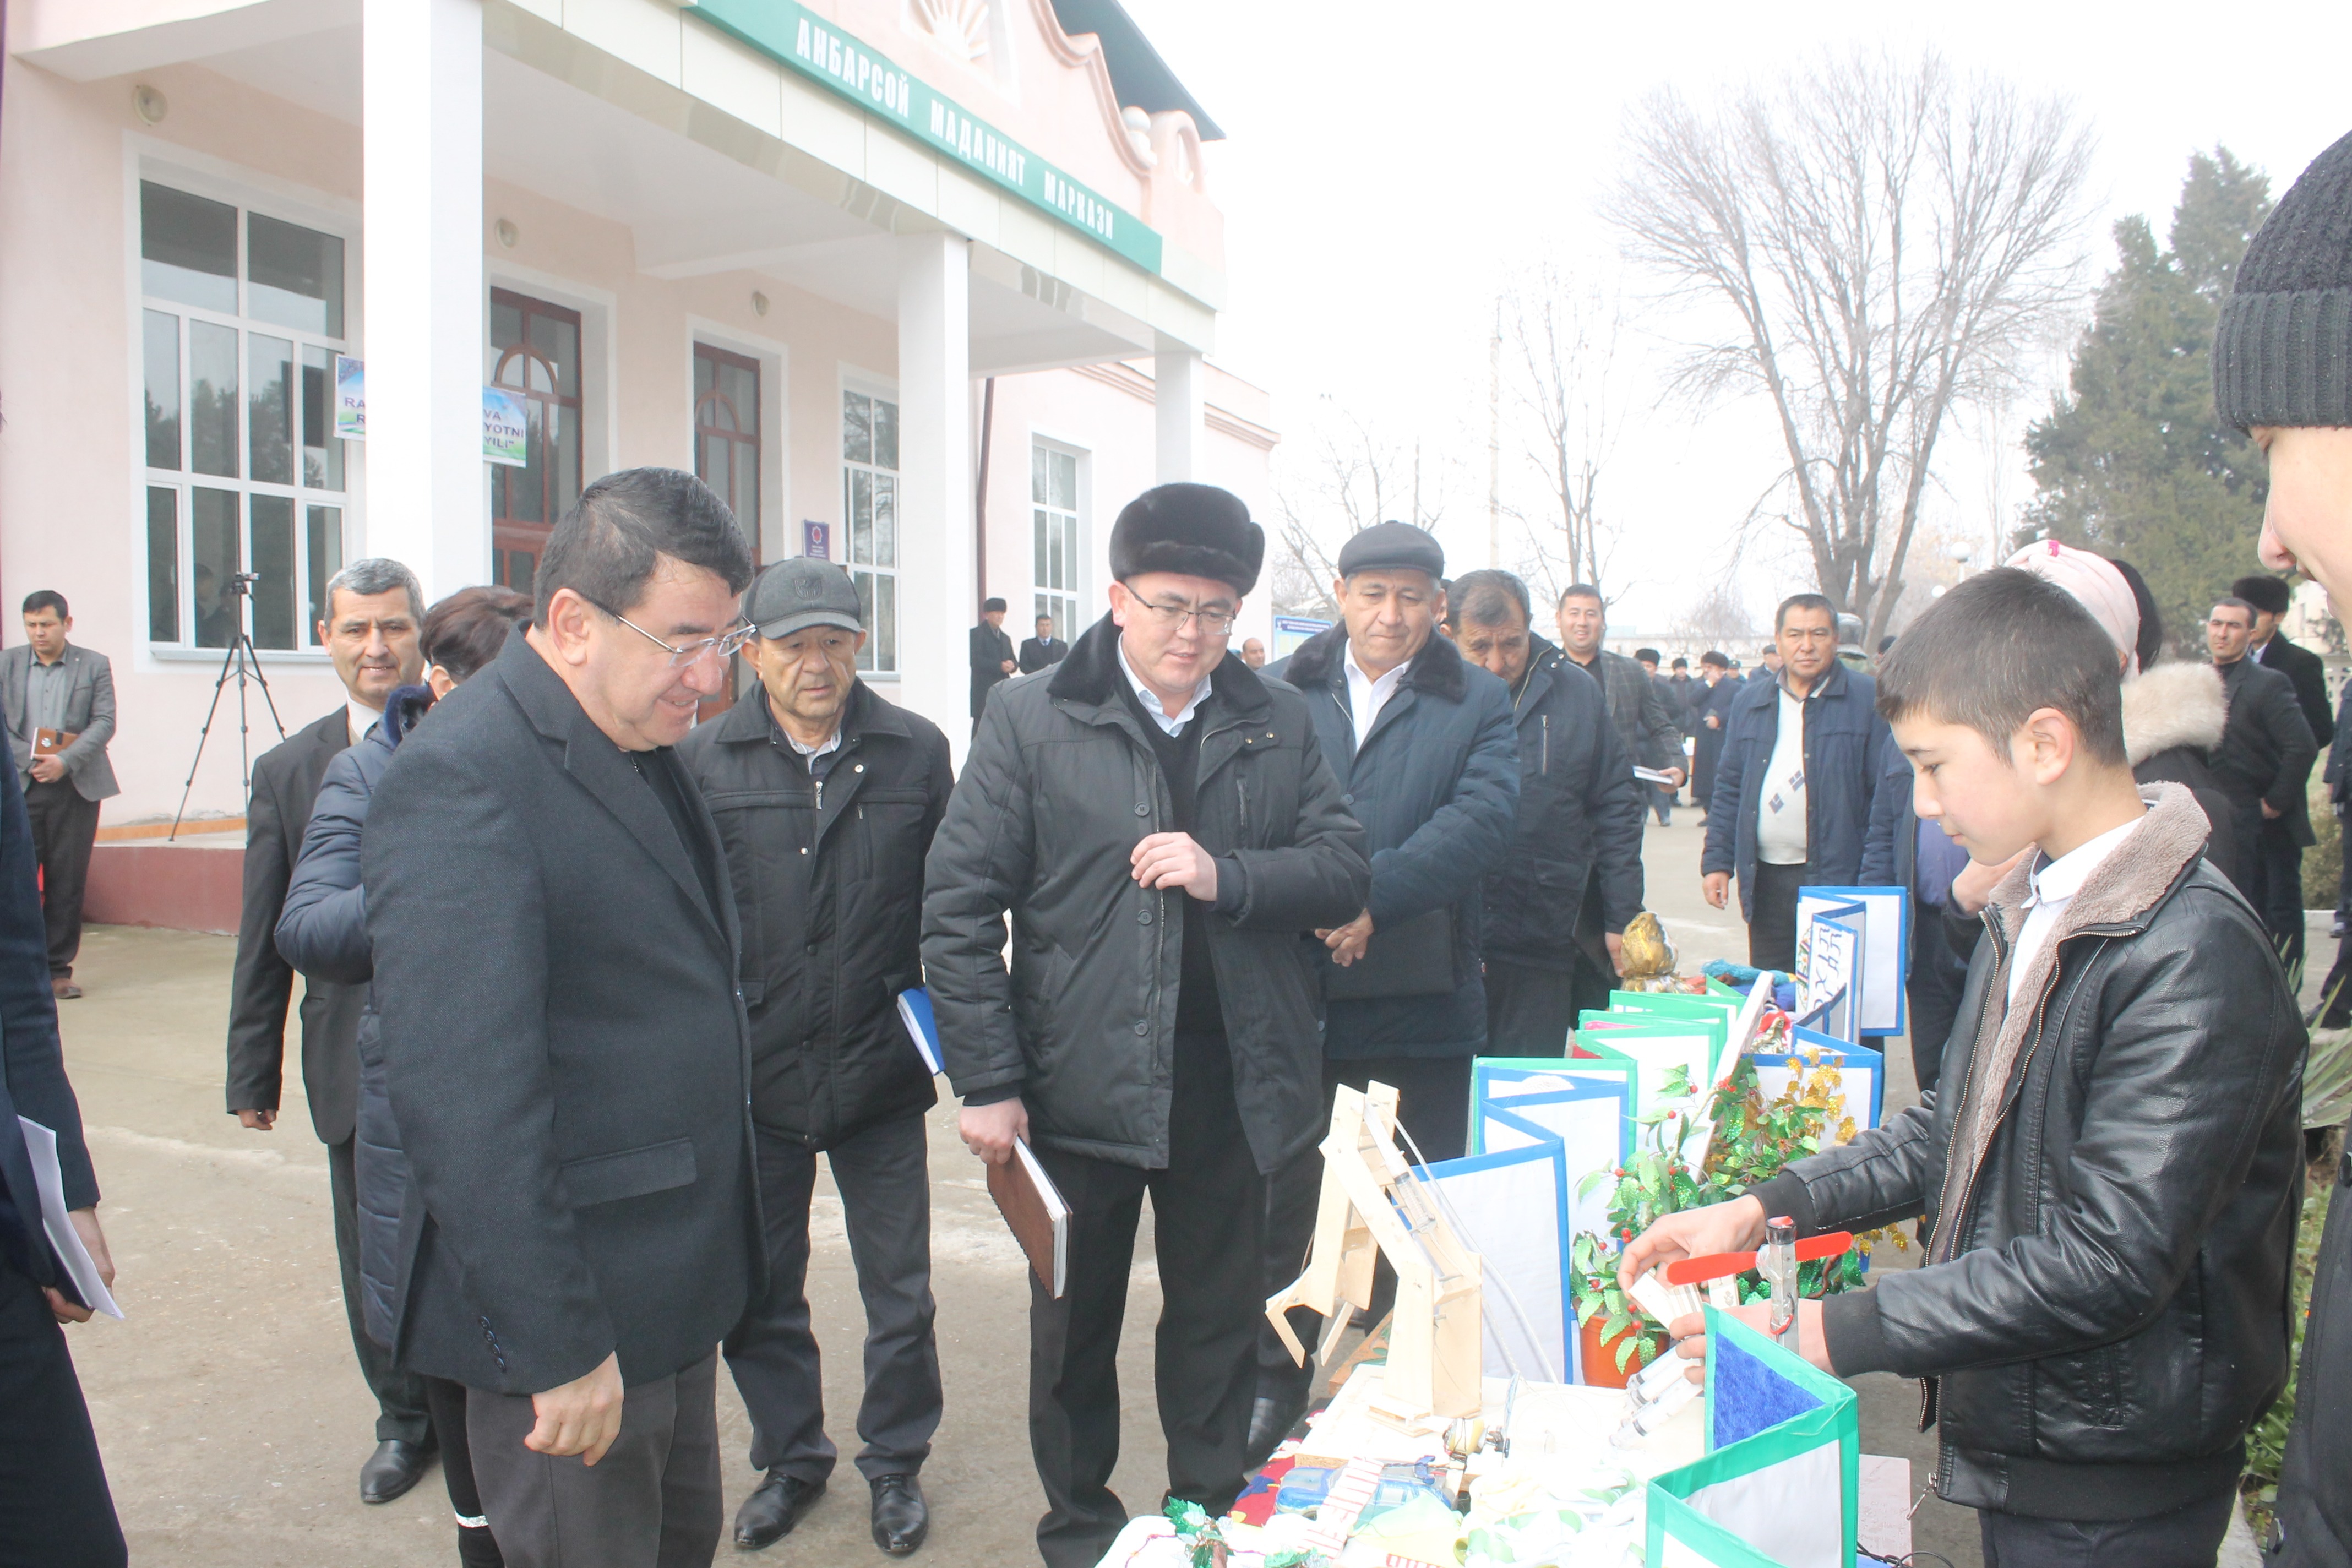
(816, 539)
(1291, 631)
(797, 37)
(506, 428)
(350, 399)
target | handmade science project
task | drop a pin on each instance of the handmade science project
(1885, 920)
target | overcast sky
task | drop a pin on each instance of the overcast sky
(1387, 165)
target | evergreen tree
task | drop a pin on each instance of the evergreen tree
(2132, 461)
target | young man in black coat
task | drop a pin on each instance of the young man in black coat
(2264, 765)
(1579, 823)
(55, 1508)
(1044, 650)
(374, 609)
(564, 1042)
(826, 797)
(1161, 826)
(992, 657)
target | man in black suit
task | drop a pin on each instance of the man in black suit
(1044, 650)
(992, 657)
(373, 610)
(564, 1041)
(2264, 765)
(55, 1508)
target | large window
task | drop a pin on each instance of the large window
(726, 432)
(870, 506)
(1054, 528)
(534, 349)
(243, 317)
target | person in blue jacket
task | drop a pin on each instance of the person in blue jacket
(1421, 742)
(1809, 789)
(55, 1508)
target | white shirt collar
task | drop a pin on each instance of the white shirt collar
(1367, 695)
(361, 718)
(2060, 879)
(1150, 700)
(831, 742)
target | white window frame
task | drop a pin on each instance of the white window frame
(1071, 599)
(870, 660)
(247, 196)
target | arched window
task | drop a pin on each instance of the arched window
(535, 349)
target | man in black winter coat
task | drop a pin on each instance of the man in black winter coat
(826, 797)
(1579, 823)
(992, 657)
(1160, 825)
(2264, 765)
(2281, 847)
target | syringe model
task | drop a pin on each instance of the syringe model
(1652, 1395)
(1777, 1261)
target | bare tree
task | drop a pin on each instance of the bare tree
(1891, 243)
(1561, 345)
(1352, 479)
(1719, 619)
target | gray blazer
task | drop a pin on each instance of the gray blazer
(90, 712)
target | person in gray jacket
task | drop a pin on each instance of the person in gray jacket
(1160, 825)
(322, 933)
(49, 684)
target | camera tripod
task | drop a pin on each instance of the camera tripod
(242, 660)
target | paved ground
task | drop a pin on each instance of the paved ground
(234, 1424)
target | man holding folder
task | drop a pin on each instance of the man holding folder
(1161, 826)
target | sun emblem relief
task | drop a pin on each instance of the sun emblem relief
(961, 26)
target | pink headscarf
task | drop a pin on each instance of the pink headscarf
(2096, 584)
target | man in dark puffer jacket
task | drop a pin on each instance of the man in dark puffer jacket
(2111, 1161)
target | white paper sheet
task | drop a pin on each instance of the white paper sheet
(42, 1144)
(1884, 944)
(1507, 1208)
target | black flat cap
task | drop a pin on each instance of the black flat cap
(1197, 529)
(1394, 547)
(799, 591)
(2267, 594)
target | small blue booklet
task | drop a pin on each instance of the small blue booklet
(915, 1012)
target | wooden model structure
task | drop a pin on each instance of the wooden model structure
(1373, 1203)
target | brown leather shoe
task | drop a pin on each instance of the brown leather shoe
(62, 987)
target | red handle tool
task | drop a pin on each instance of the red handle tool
(1716, 1265)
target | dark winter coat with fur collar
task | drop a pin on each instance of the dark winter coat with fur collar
(2112, 1169)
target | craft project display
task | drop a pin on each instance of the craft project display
(1885, 922)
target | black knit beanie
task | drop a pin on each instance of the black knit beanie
(2283, 352)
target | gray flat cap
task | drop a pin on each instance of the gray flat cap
(802, 592)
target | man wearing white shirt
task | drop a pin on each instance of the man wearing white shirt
(373, 611)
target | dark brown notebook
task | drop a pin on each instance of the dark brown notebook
(1033, 1207)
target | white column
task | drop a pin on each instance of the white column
(1176, 382)
(427, 501)
(936, 606)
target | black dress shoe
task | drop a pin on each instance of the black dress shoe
(768, 1514)
(902, 1518)
(392, 1468)
(1272, 1416)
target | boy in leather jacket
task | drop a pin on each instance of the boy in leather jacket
(2110, 1161)
(2283, 373)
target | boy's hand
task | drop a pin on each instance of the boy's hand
(1690, 1329)
(1735, 1227)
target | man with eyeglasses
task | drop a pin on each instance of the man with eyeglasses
(826, 797)
(1160, 825)
(565, 1041)
(1809, 788)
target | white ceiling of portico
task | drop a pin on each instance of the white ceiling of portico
(695, 211)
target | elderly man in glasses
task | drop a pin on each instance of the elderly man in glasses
(565, 1044)
(1161, 826)
(826, 797)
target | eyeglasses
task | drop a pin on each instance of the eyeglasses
(726, 645)
(1213, 623)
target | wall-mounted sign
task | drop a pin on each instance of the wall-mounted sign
(816, 539)
(794, 35)
(506, 428)
(1290, 631)
(350, 399)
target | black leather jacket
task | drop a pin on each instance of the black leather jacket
(2114, 1319)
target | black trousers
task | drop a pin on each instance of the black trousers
(65, 827)
(2278, 892)
(447, 1401)
(883, 1174)
(1772, 928)
(1433, 1107)
(55, 1508)
(652, 1501)
(2187, 1537)
(1530, 1008)
(1208, 1209)
(400, 1402)
(1932, 991)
